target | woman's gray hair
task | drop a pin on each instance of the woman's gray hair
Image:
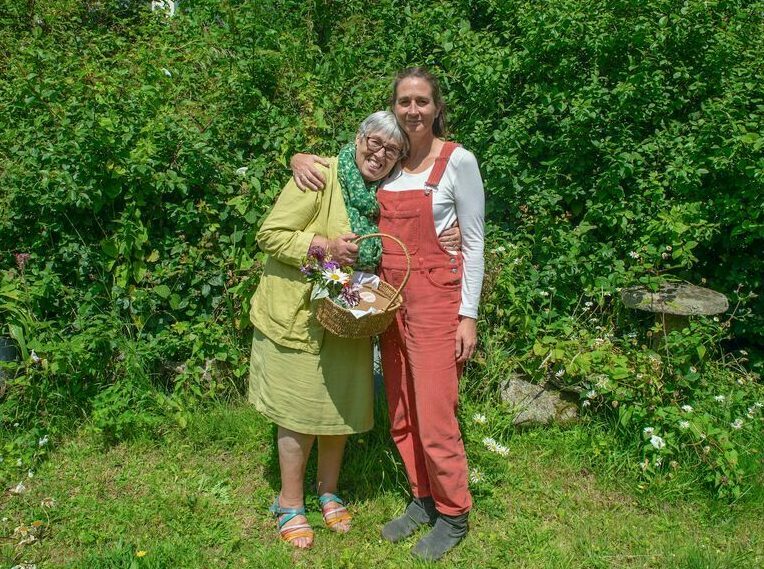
(386, 125)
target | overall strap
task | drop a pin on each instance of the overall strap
(440, 166)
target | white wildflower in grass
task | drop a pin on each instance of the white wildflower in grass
(719, 398)
(500, 249)
(716, 319)
(758, 405)
(591, 394)
(166, 72)
(30, 474)
(684, 424)
(479, 418)
(560, 372)
(494, 446)
(693, 370)
(633, 254)
(517, 260)
(706, 449)
(588, 304)
(241, 171)
(648, 431)
(19, 489)
(743, 353)
(669, 248)
(586, 403)
(476, 477)
(34, 357)
(737, 424)
(658, 462)
(657, 442)
(750, 412)
(42, 441)
(18, 462)
(687, 408)
(544, 293)
(336, 276)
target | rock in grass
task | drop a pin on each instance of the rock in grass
(536, 405)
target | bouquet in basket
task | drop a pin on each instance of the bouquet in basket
(330, 279)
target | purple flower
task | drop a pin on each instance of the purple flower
(331, 265)
(350, 295)
(307, 270)
(21, 260)
(316, 253)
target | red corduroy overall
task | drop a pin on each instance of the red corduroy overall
(420, 369)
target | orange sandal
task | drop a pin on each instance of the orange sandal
(293, 532)
(333, 517)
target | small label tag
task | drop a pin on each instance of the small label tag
(368, 296)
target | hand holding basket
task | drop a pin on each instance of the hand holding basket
(341, 321)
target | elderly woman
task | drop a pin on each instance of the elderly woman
(310, 383)
(424, 350)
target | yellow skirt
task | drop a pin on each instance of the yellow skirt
(330, 393)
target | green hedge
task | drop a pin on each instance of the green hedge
(620, 142)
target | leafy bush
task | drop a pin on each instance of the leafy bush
(620, 142)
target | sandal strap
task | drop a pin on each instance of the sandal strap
(293, 533)
(336, 515)
(276, 509)
(324, 499)
(284, 519)
(286, 515)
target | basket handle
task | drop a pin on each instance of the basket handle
(405, 252)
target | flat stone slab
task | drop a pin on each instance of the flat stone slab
(676, 298)
(536, 405)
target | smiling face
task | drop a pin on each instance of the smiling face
(415, 106)
(375, 155)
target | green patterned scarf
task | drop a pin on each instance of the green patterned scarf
(362, 207)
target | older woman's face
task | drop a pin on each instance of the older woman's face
(375, 155)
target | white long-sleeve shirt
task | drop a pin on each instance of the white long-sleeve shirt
(459, 196)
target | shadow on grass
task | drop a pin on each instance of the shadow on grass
(371, 465)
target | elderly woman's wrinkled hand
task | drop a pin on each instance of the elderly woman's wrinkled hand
(343, 250)
(306, 175)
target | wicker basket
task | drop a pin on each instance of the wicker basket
(341, 322)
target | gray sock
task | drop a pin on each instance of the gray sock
(420, 511)
(447, 532)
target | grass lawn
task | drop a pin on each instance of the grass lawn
(198, 498)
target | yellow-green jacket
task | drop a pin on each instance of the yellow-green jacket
(281, 307)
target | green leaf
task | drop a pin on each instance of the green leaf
(163, 291)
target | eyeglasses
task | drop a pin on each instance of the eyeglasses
(375, 145)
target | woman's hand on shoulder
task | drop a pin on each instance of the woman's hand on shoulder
(306, 175)
(466, 339)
